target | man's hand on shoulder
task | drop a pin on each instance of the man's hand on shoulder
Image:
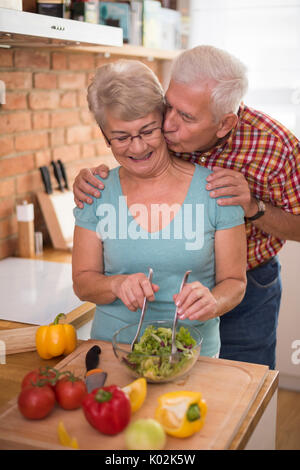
(85, 184)
(233, 185)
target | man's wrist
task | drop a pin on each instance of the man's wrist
(253, 208)
(259, 212)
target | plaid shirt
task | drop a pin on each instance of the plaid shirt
(268, 155)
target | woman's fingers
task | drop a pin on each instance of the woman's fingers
(189, 294)
(195, 302)
(134, 289)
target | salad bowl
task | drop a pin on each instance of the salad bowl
(152, 356)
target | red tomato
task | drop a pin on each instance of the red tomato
(36, 402)
(37, 375)
(69, 392)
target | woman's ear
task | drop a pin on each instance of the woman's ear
(105, 138)
(106, 141)
(228, 122)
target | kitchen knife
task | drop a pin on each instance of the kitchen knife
(46, 179)
(94, 377)
(58, 175)
(64, 173)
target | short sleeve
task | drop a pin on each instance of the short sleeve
(228, 216)
(86, 217)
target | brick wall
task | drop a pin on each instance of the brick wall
(45, 118)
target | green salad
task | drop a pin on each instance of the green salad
(158, 342)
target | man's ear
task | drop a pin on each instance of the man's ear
(227, 123)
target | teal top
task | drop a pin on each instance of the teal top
(186, 243)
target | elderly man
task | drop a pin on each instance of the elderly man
(255, 163)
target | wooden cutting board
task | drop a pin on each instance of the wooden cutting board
(229, 388)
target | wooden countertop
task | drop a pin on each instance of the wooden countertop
(17, 365)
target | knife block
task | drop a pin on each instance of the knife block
(57, 209)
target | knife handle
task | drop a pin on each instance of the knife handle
(58, 175)
(46, 179)
(64, 173)
(93, 371)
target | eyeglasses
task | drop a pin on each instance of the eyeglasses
(125, 140)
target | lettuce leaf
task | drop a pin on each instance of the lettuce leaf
(150, 357)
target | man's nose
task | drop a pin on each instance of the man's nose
(170, 121)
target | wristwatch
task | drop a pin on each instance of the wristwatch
(260, 212)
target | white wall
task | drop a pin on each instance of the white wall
(288, 347)
(265, 36)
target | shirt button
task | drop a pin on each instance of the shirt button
(202, 159)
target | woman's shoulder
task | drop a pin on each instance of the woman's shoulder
(202, 171)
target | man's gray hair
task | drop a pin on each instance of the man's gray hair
(127, 88)
(205, 64)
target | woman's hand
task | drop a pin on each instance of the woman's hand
(195, 302)
(132, 289)
(85, 184)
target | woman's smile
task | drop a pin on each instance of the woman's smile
(141, 159)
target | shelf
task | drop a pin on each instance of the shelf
(127, 51)
(29, 30)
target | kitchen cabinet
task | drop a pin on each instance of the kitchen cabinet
(31, 28)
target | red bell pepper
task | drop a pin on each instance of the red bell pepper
(107, 409)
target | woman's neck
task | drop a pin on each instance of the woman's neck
(172, 167)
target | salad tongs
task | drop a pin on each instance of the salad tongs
(150, 274)
(174, 348)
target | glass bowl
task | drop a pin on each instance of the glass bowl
(159, 367)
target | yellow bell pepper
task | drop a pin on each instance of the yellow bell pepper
(181, 413)
(55, 339)
(136, 392)
(64, 438)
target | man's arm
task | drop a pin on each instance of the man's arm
(279, 223)
(86, 184)
(275, 221)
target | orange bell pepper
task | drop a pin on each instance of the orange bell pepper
(55, 339)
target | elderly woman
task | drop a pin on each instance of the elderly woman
(154, 212)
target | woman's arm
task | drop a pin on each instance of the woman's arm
(196, 301)
(231, 262)
(89, 282)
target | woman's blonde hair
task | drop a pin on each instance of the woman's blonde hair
(208, 63)
(127, 88)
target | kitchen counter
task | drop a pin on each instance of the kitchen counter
(256, 430)
(55, 256)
